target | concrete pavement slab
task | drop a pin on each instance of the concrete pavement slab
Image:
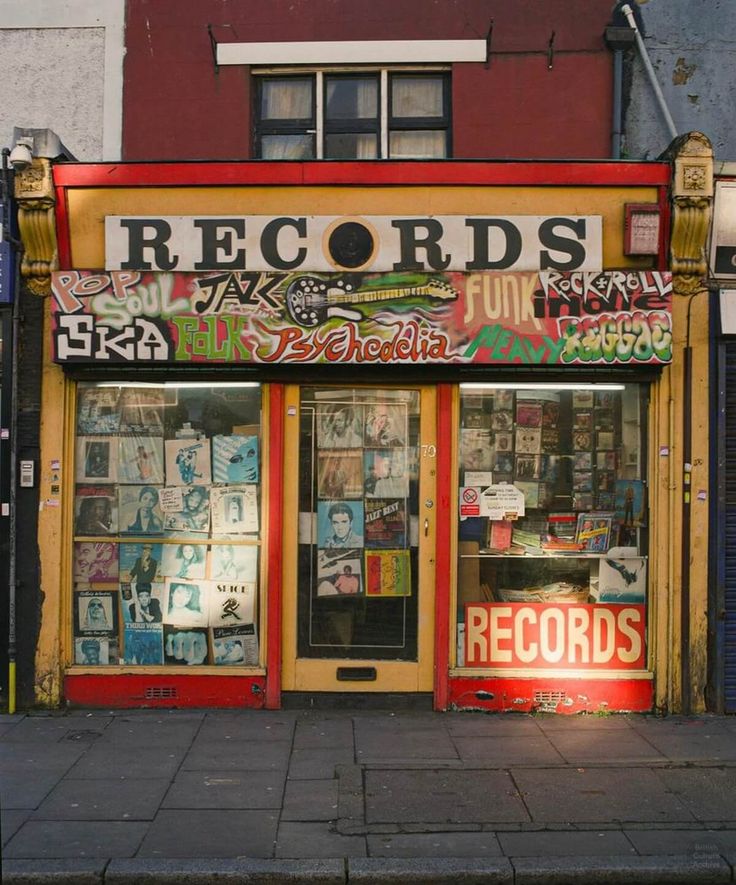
(27, 788)
(11, 820)
(470, 724)
(683, 841)
(37, 756)
(237, 754)
(112, 761)
(503, 751)
(58, 872)
(43, 728)
(211, 833)
(549, 722)
(243, 872)
(617, 870)
(597, 794)
(395, 741)
(310, 800)
(453, 844)
(565, 843)
(254, 725)
(709, 793)
(431, 871)
(110, 799)
(441, 796)
(311, 839)
(226, 789)
(319, 763)
(323, 733)
(700, 747)
(138, 732)
(55, 839)
(586, 746)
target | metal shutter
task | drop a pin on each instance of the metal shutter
(730, 531)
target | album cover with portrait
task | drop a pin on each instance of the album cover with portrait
(95, 561)
(97, 459)
(235, 459)
(141, 460)
(188, 462)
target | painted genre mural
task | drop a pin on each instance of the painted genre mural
(553, 318)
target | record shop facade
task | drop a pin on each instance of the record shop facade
(374, 427)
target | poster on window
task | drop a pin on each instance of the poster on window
(186, 508)
(96, 611)
(386, 523)
(235, 459)
(387, 573)
(230, 562)
(140, 563)
(188, 462)
(139, 512)
(144, 643)
(234, 510)
(97, 459)
(339, 426)
(141, 459)
(231, 603)
(95, 561)
(340, 473)
(339, 573)
(184, 560)
(235, 645)
(186, 603)
(96, 510)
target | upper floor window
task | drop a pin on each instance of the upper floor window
(353, 116)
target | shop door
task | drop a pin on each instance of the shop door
(360, 478)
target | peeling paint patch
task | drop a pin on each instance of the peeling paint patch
(683, 72)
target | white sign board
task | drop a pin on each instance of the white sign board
(354, 243)
(502, 501)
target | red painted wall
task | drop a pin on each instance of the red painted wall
(176, 106)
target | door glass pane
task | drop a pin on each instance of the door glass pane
(358, 532)
(351, 98)
(351, 146)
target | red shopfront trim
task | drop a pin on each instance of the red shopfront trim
(284, 173)
(551, 694)
(128, 690)
(275, 546)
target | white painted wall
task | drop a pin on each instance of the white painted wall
(61, 63)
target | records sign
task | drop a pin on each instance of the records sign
(565, 637)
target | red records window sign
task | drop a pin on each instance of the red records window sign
(536, 635)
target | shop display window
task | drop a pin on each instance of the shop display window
(553, 514)
(167, 524)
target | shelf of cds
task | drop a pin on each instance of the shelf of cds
(553, 503)
(167, 525)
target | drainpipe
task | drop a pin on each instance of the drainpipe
(618, 39)
(626, 10)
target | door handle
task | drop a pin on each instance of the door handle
(426, 527)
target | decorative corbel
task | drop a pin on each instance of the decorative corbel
(692, 206)
(34, 193)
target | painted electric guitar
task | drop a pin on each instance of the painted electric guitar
(312, 301)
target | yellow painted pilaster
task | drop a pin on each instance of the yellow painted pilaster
(679, 459)
(53, 510)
